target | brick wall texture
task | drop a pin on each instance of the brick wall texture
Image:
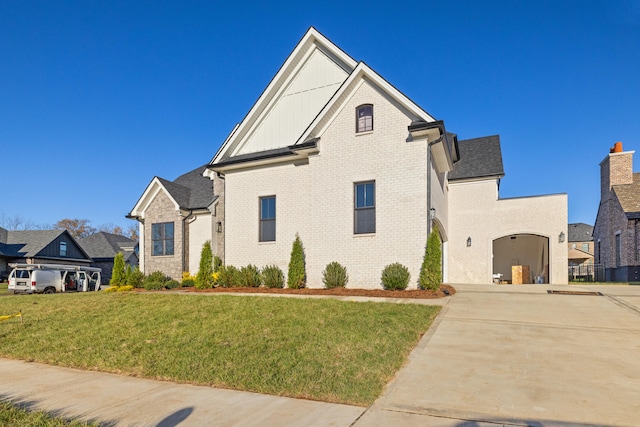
(316, 200)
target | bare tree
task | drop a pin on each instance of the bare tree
(132, 232)
(18, 223)
(111, 228)
(79, 228)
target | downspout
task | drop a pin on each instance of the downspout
(184, 241)
(429, 219)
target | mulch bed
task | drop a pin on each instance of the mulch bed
(344, 292)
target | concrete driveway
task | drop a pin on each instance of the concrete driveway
(516, 355)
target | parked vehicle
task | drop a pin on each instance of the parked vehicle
(52, 278)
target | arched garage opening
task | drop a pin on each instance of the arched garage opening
(521, 258)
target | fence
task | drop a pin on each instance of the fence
(586, 273)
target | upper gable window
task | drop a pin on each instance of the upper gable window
(63, 248)
(364, 118)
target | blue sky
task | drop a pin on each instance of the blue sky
(98, 97)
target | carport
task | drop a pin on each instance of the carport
(522, 252)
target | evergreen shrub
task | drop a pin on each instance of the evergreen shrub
(431, 270)
(251, 277)
(273, 277)
(297, 276)
(335, 276)
(395, 277)
(203, 278)
(155, 281)
(229, 277)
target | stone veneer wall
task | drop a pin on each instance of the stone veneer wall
(162, 210)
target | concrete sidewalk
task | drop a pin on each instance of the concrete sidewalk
(115, 400)
(496, 355)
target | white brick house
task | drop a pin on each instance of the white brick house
(335, 153)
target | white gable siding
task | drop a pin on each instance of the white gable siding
(317, 200)
(318, 79)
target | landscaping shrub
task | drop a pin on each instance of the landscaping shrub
(188, 283)
(118, 272)
(335, 276)
(127, 274)
(137, 278)
(217, 263)
(250, 276)
(203, 279)
(431, 271)
(155, 281)
(395, 277)
(273, 277)
(229, 277)
(123, 288)
(297, 276)
(171, 284)
(187, 280)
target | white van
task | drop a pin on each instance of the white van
(52, 278)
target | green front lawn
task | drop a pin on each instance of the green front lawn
(318, 349)
(11, 415)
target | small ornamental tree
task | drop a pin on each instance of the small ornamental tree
(431, 271)
(128, 272)
(203, 278)
(297, 277)
(118, 271)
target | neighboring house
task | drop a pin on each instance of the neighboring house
(616, 232)
(103, 247)
(335, 153)
(176, 219)
(580, 245)
(40, 247)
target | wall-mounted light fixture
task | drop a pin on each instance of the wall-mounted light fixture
(432, 213)
(469, 241)
(561, 237)
(219, 227)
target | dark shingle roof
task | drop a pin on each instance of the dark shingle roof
(106, 245)
(580, 232)
(191, 190)
(629, 195)
(27, 243)
(479, 158)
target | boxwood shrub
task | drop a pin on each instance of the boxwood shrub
(395, 277)
(335, 276)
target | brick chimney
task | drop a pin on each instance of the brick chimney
(615, 169)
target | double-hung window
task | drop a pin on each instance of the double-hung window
(364, 118)
(365, 207)
(162, 237)
(268, 219)
(63, 248)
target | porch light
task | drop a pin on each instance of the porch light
(561, 237)
(469, 241)
(432, 213)
(219, 227)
